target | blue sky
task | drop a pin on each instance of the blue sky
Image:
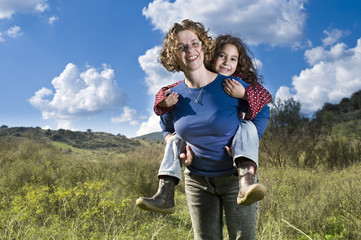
(91, 64)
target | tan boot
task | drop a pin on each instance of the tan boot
(249, 191)
(163, 200)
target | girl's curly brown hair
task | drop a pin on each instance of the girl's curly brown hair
(167, 56)
(245, 67)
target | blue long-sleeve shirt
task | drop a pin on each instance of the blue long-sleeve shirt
(209, 125)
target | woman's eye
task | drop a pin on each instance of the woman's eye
(180, 48)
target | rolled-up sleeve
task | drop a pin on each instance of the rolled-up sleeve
(167, 124)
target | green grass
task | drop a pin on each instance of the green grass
(322, 204)
(67, 147)
(49, 193)
(348, 130)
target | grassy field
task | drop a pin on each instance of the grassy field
(50, 192)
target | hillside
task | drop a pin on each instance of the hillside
(155, 136)
(83, 140)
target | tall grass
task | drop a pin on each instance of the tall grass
(49, 193)
(323, 204)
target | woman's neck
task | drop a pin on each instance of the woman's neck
(199, 78)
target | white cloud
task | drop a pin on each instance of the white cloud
(38, 99)
(52, 19)
(320, 54)
(301, 45)
(79, 94)
(333, 36)
(284, 93)
(333, 75)
(257, 63)
(152, 125)
(270, 22)
(41, 6)
(339, 50)
(157, 75)
(10, 7)
(14, 32)
(66, 124)
(129, 115)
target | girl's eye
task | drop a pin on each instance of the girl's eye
(234, 59)
(221, 55)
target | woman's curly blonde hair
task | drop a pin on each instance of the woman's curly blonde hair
(167, 56)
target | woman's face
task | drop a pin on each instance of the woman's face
(189, 53)
(226, 60)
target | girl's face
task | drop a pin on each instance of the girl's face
(189, 53)
(226, 60)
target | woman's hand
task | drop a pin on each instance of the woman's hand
(187, 156)
(170, 100)
(234, 88)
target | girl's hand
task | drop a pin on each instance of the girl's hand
(234, 88)
(170, 100)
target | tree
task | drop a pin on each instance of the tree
(355, 100)
(345, 105)
(287, 114)
(289, 139)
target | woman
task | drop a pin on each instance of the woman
(206, 117)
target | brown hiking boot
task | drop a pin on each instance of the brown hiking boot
(163, 200)
(249, 191)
